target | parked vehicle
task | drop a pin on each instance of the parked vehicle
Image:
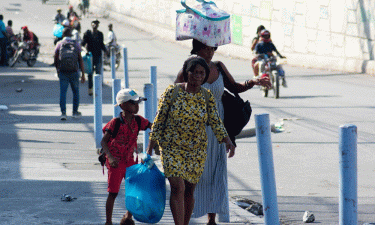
(21, 51)
(271, 70)
(107, 58)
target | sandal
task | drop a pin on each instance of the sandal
(125, 221)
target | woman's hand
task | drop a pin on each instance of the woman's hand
(229, 146)
(263, 81)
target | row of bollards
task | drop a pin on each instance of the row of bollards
(347, 147)
(348, 172)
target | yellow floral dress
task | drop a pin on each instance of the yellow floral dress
(182, 134)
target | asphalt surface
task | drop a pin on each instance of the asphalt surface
(43, 158)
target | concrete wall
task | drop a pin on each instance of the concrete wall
(336, 34)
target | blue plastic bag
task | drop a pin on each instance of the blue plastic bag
(145, 191)
(87, 61)
(58, 30)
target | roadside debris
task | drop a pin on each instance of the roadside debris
(308, 217)
(67, 198)
(249, 205)
(19, 89)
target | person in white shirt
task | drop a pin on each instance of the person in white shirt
(112, 40)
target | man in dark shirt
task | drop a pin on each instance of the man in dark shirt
(94, 43)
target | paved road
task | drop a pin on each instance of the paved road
(42, 156)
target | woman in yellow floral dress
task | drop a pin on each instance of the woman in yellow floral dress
(179, 129)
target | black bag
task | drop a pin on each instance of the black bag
(68, 57)
(237, 112)
(102, 157)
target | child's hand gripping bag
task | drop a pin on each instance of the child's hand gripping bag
(145, 191)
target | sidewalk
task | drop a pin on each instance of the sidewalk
(43, 158)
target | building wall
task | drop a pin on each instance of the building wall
(336, 34)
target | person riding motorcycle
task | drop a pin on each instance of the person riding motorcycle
(265, 46)
(59, 18)
(73, 18)
(30, 38)
(112, 40)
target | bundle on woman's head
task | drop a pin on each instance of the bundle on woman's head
(191, 63)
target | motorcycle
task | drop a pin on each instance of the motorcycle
(12, 47)
(22, 51)
(271, 70)
(107, 58)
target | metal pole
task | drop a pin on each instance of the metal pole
(348, 175)
(98, 119)
(113, 63)
(267, 173)
(116, 87)
(102, 68)
(147, 90)
(155, 92)
(126, 69)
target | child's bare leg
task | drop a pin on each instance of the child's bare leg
(109, 206)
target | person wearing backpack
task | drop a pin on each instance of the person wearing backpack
(119, 144)
(68, 61)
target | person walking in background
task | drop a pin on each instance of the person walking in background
(179, 129)
(119, 150)
(68, 61)
(211, 195)
(85, 5)
(3, 42)
(94, 43)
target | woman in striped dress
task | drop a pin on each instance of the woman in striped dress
(211, 193)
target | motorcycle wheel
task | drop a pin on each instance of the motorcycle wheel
(265, 92)
(276, 84)
(14, 59)
(31, 62)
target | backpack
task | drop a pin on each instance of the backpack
(68, 57)
(102, 157)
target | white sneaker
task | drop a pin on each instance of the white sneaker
(63, 116)
(284, 83)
